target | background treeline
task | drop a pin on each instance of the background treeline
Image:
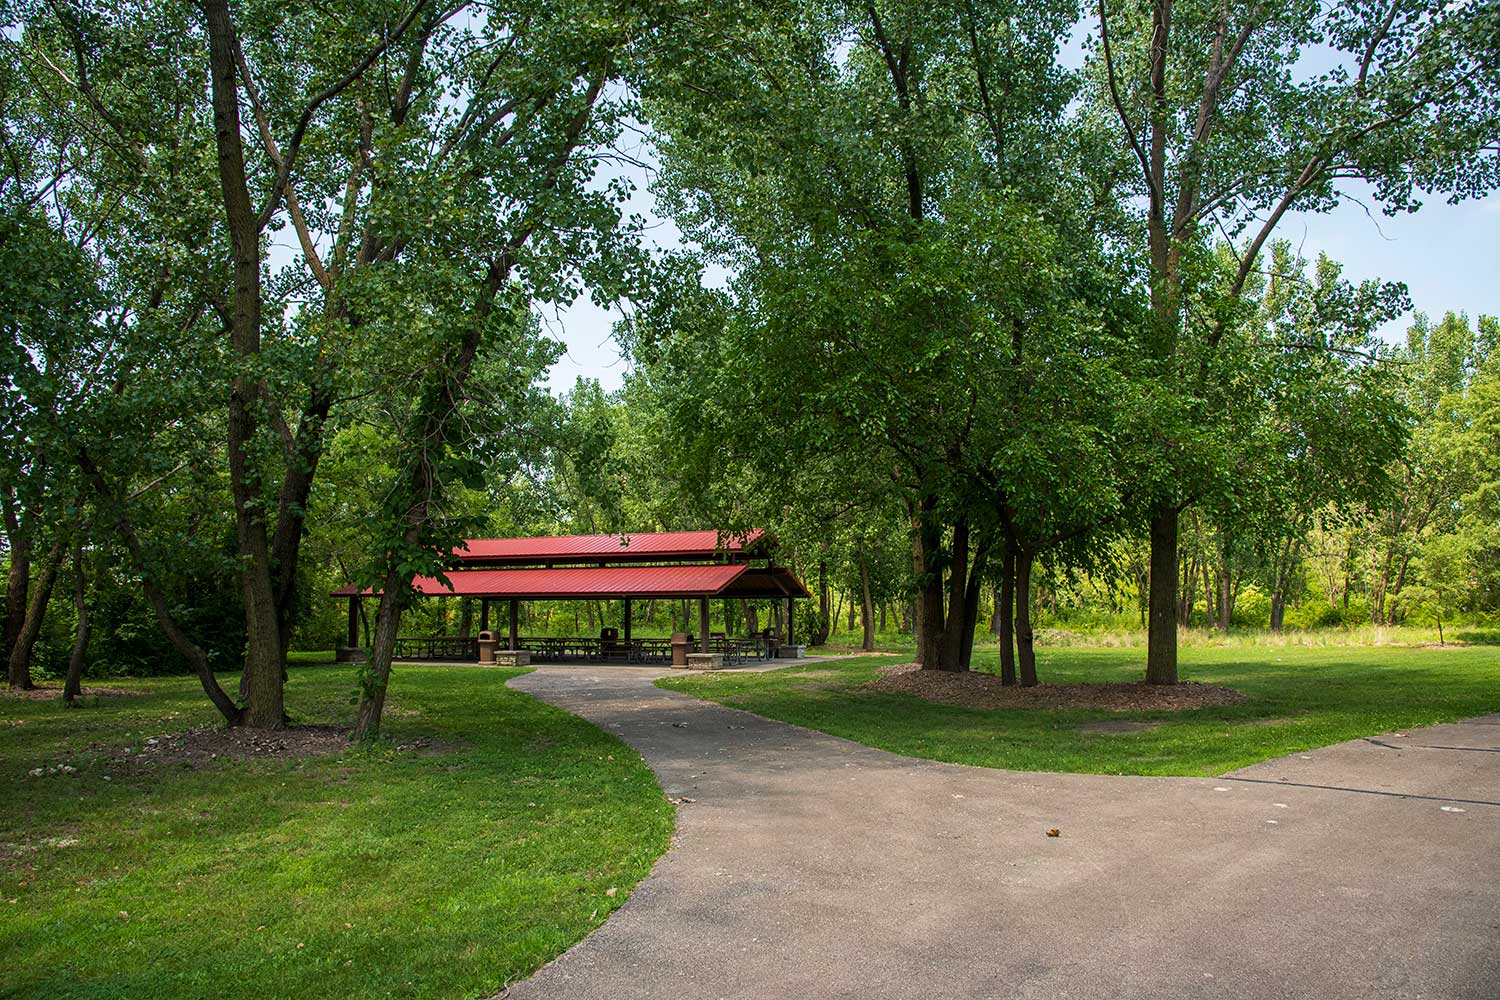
(993, 335)
(1425, 553)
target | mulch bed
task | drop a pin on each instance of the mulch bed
(43, 693)
(979, 690)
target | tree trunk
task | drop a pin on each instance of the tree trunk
(1025, 638)
(1226, 597)
(1210, 589)
(264, 664)
(1186, 596)
(1395, 590)
(971, 604)
(751, 615)
(1161, 635)
(867, 607)
(825, 617)
(465, 617)
(31, 626)
(1348, 569)
(376, 676)
(958, 575)
(18, 579)
(1007, 608)
(929, 619)
(73, 684)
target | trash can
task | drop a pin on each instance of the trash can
(488, 643)
(609, 641)
(680, 646)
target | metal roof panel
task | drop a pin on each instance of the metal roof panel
(567, 583)
(657, 544)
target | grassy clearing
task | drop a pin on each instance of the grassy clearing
(1298, 698)
(448, 870)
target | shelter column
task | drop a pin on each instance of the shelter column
(484, 614)
(791, 633)
(353, 622)
(627, 621)
(515, 606)
(702, 624)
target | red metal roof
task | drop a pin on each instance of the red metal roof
(580, 582)
(614, 548)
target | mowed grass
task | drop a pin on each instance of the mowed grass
(1297, 698)
(445, 870)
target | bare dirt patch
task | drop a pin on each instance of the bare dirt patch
(44, 693)
(978, 690)
(199, 747)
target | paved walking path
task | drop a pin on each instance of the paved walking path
(806, 866)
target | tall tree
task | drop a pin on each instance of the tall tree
(879, 178)
(532, 227)
(1232, 125)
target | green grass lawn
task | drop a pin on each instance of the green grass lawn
(448, 870)
(1298, 698)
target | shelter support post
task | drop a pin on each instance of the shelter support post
(791, 634)
(702, 624)
(484, 614)
(627, 621)
(353, 622)
(515, 607)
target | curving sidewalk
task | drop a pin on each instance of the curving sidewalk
(809, 866)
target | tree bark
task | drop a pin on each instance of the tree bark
(371, 705)
(73, 684)
(1025, 638)
(867, 607)
(18, 578)
(1226, 598)
(958, 575)
(31, 625)
(1007, 609)
(1161, 635)
(971, 603)
(929, 618)
(1377, 598)
(825, 617)
(264, 663)
(1210, 589)
(752, 616)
